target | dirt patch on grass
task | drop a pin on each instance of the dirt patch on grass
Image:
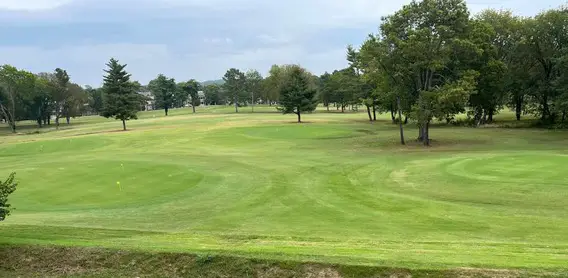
(41, 261)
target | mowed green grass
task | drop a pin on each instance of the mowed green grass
(335, 189)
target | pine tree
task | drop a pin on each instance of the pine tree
(120, 98)
(297, 94)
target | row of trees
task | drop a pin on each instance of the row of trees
(432, 60)
(40, 97)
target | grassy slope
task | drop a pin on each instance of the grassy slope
(335, 190)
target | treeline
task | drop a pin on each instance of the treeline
(431, 60)
(40, 97)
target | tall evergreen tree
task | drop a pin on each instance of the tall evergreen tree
(297, 94)
(120, 97)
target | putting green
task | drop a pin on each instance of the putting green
(336, 189)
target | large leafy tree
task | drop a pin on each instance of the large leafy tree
(548, 38)
(120, 98)
(61, 94)
(325, 90)
(192, 89)
(15, 86)
(74, 106)
(297, 93)
(422, 37)
(95, 99)
(345, 84)
(235, 85)
(164, 91)
(504, 68)
(254, 85)
(7, 187)
(213, 94)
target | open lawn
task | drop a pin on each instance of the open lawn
(336, 189)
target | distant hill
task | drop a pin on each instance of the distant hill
(211, 82)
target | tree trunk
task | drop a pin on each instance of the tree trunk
(327, 107)
(405, 119)
(166, 109)
(563, 116)
(39, 122)
(193, 107)
(392, 115)
(342, 108)
(421, 133)
(252, 102)
(124, 125)
(545, 109)
(49, 120)
(518, 107)
(68, 119)
(374, 113)
(299, 117)
(491, 113)
(57, 121)
(13, 124)
(236, 106)
(427, 134)
(369, 112)
(400, 121)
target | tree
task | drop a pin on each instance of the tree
(74, 106)
(213, 94)
(503, 74)
(325, 90)
(120, 98)
(297, 94)
(61, 93)
(15, 86)
(547, 39)
(95, 98)
(345, 84)
(254, 86)
(192, 88)
(235, 85)
(422, 37)
(164, 90)
(6, 188)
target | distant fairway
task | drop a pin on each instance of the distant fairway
(336, 189)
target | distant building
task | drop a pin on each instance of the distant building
(148, 100)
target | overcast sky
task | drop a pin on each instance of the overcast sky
(198, 39)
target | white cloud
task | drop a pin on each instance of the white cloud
(31, 5)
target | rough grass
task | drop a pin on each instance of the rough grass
(336, 190)
(33, 261)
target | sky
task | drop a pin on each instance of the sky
(195, 39)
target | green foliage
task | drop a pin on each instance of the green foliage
(235, 86)
(95, 99)
(214, 95)
(254, 84)
(192, 88)
(119, 95)
(16, 86)
(6, 188)
(164, 91)
(297, 94)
